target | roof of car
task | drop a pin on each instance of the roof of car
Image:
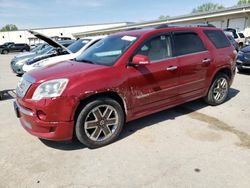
(141, 31)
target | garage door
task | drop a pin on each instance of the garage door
(237, 23)
(217, 24)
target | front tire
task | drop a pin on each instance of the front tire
(1, 95)
(218, 91)
(99, 123)
(5, 52)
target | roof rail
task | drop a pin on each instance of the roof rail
(161, 26)
(133, 28)
(183, 25)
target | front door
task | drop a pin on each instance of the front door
(154, 84)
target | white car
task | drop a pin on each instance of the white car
(72, 51)
(239, 37)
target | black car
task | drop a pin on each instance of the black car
(14, 47)
(6, 44)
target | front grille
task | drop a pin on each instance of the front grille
(23, 85)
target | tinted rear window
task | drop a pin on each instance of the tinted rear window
(187, 43)
(218, 38)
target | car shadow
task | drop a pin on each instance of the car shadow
(19, 75)
(136, 125)
(64, 145)
(8, 94)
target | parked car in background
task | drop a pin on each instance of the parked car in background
(75, 49)
(18, 60)
(49, 50)
(16, 47)
(6, 44)
(239, 37)
(33, 46)
(123, 77)
(243, 59)
(232, 41)
(56, 51)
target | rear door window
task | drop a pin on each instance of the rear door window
(218, 38)
(187, 43)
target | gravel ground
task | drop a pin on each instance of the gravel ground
(193, 145)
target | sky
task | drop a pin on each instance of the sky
(26, 14)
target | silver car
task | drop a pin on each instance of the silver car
(18, 61)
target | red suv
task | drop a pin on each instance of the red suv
(123, 77)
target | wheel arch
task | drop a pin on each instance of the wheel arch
(225, 70)
(110, 94)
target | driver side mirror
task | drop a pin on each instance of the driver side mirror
(140, 60)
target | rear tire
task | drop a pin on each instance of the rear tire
(5, 52)
(99, 122)
(218, 91)
(1, 95)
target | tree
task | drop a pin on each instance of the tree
(207, 7)
(243, 2)
(163, 17)
(9, 27)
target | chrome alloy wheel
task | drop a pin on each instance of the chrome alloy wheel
(220, 90)
(101, 122)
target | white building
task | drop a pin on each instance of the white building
(23, 36)
(237, 17)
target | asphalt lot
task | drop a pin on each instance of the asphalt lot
(193, 145)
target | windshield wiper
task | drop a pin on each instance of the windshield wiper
(86, 61)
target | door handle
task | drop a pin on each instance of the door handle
(172, 68)
(206, 61)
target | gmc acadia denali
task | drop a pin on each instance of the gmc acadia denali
(123, 77)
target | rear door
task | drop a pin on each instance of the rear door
(194, 60)
(154, 84)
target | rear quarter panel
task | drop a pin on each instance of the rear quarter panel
(223, 58)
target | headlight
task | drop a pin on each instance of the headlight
(49, 89)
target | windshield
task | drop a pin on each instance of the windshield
(47, 49)
(107, 51)
(77, 45)
(39, 47)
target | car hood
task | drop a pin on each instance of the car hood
(49, 40)
(246, 49)
(19, 58)
(37, 58)
(65, 69)
(24, 54)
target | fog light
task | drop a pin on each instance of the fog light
(41, 115)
